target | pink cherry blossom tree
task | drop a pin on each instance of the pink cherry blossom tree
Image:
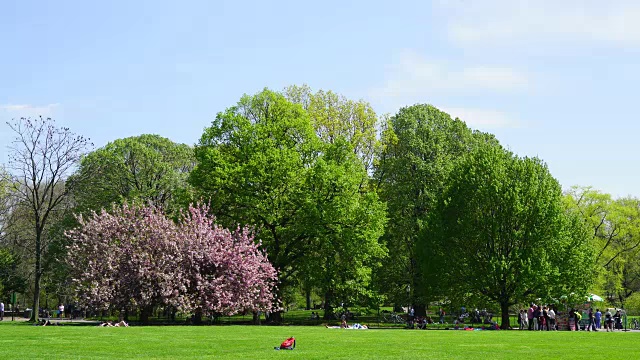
(226, 271)
(137, 258)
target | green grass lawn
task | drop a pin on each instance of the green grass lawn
(22, 341)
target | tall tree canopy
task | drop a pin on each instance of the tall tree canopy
(614, 226)
(500, 231)
(334, 117)
(149, 168)
(262, 163)
(420, 146)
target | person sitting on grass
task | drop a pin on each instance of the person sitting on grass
(343, 323)
(422, 323)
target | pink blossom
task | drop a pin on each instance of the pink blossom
(136, 257)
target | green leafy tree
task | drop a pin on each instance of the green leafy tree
(420, 146)
(500, 231)
(147, 168)
(11, 278)
(615, 235)
(335, 117)
(16, 235)
(348, 228)
(261, 163)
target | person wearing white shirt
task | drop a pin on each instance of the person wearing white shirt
(552, 319)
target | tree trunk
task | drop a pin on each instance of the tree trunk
(36, 297)
(276, 317)
(145, 314)
(256, 318)
(308, 297)
(197, 318)
(420, 309)
(328, 310)
(38, 277)
(504, 309)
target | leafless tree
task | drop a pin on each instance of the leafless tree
(41, 157)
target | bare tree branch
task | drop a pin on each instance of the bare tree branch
(42, 156)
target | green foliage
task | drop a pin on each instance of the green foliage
(614, 226)
(262, 163)
(11, 280)
(335, 117)
(300, 166)
(420, 146)
(146, 168)
(500, 231)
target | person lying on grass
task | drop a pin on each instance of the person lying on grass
(122, 323)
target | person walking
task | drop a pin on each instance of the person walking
(1, 311)
(530, 316)
(598, 319)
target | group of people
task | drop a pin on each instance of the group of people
(46, 313)
(540, 317)
(421, 322)
(537, 317)
(611, 321)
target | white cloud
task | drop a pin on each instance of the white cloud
(26, 110)
(541, 23)
(413, 77)
(482, 118)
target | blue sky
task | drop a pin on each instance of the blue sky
(557, 80)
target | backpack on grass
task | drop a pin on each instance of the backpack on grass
(288, 344)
